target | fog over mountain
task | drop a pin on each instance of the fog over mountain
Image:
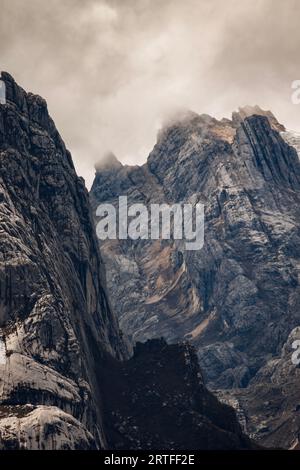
(113, 70)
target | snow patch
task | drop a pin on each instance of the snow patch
(2, 92)
(2, 352)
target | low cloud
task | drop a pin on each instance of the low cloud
(112, 70)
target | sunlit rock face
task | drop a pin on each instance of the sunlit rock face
(52, 294)
(238, 298)
(42, 428)
(2, 92)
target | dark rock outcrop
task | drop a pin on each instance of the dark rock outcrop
(62, 384)
(159, 402)
(238, 298)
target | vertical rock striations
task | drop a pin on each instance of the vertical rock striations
(52, 296)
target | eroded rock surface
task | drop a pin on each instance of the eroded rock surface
(269, 406)
(238, 298)
(52, 294)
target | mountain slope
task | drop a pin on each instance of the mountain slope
(237, 299)
(51, 291)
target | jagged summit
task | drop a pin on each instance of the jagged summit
(247, 111)
(108, 162)
(181, 117)
(204, 123)
(187, 117)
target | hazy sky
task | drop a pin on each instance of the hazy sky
(111, 70)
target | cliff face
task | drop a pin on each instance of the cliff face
(270, 404)
(51, 292)
(237, 299)
(60, 345)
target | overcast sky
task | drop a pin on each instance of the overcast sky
(111, 70)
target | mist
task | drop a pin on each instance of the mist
(111, 71)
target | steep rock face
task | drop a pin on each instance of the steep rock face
(269, 406)
(247, 111)
(237, 299)
(62, 384)
(42, 428)
(51, 290)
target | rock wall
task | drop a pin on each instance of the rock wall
(51, 289)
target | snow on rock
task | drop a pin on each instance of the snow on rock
(2, 352)
(42, 428)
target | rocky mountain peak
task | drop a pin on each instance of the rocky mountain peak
(190, 123)
(30, 106)
(247, 111)
(237, 299)
(107, 163)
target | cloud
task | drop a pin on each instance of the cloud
(112, 70)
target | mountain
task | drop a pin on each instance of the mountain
(66, 380)
(269, 406)
(237, 299)
(53, 300)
